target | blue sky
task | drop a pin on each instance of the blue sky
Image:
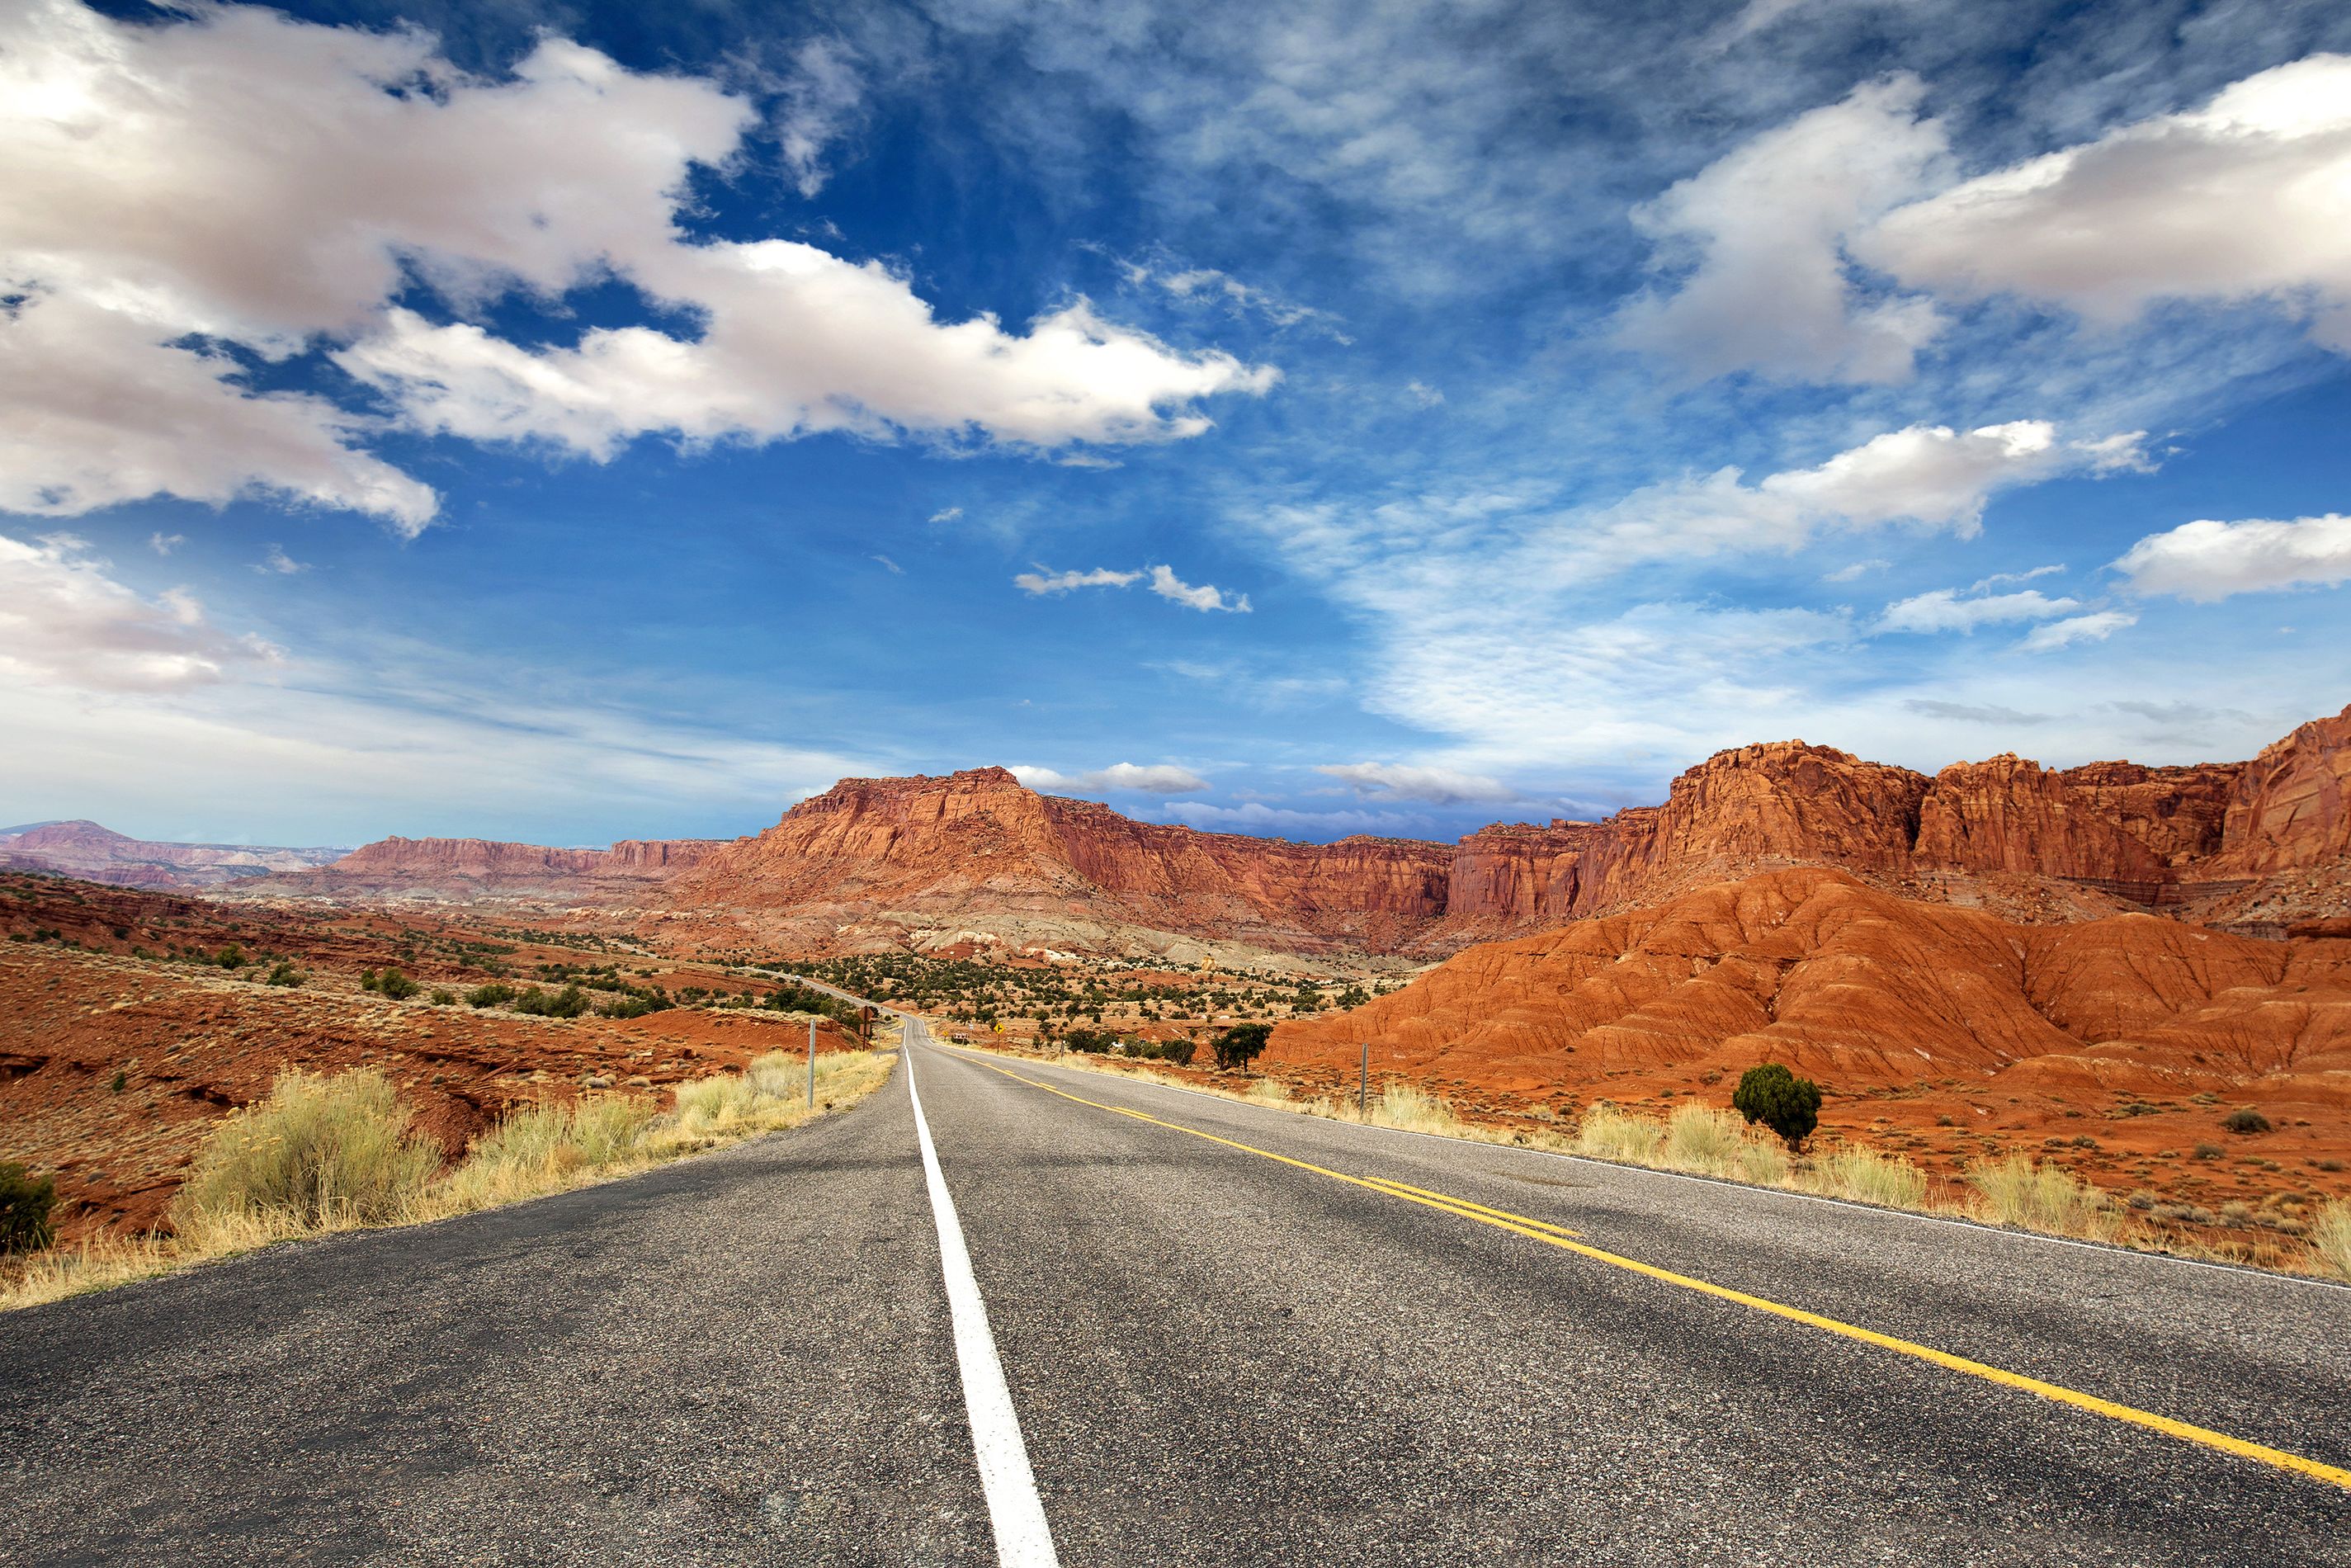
(567, 423)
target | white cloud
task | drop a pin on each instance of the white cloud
(946, 514)
(280, 563)
(891, 566)
(1856, 571)
(2002, 579)
(1163, 583)
(1403, 781)
(65, 623)
(1044, 581)
(2206, 559)
(821, 97)
(2096, 627)
(2247, 198)
(1163, 778)
(242, 178)
(1944, 610)
(1929, 475)
(164, 543)
(1167, 585)
(1422, 394)
(1771, 290)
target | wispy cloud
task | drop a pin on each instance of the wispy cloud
(1162, 581)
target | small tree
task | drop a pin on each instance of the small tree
(25, 1202)
(1240, 1045)
(1789, 1105)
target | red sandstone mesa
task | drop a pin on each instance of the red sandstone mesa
(888, 856)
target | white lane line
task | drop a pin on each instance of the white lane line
(1023, 1539)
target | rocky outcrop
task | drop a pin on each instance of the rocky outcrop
(464, 868)
(2110, 820)
(878, 860)
(2291, 806)
(978, 840)
(85, 849)
(1812, 967)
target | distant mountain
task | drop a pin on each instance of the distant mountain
(95, 854)
(932, 863)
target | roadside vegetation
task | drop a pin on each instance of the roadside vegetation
(1755, 1149)
(337, 1152)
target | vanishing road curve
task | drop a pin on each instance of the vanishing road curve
(1054, 1315)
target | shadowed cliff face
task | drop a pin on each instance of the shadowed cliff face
(977, 845)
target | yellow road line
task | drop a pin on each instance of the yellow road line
(1565, 1239)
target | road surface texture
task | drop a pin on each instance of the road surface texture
(1212, 1356)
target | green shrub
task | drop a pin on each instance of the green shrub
(490, 994)
(283, 973)
(632, 1006)
(1088, 1041)
(25, 1203)
(396, 986)
(2246, 1119)
(230, 957)
(1789, 1105)
(1240, 1045)
(320, 1151)
(119, 1081)
(1180, 1051)
(567, 1003)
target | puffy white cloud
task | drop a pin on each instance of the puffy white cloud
(1162, 779)
(1929, 475)
(1404, 781)
(1771, 290)
(1945, 611)
(65, 622)
(1042, 580)
(242, 178)
(2096, 627)
(1167, 585)
(2247, 198)
(2206, 559)
(95, 410)
(1161, 579)
(795, 341)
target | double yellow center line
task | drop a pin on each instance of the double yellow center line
(1569, 1241)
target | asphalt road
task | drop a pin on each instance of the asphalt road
(1211, 1357)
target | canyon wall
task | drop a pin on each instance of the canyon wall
(978, 846)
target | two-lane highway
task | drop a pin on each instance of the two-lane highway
(1220, 1333)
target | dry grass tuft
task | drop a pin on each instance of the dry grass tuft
(333, 1153)
(1410, 1110)
(1702, 1139)
(321, 1154)
(1864, 1176)
(2015, 1191)
(1609, 1133)
(2330, 1239)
